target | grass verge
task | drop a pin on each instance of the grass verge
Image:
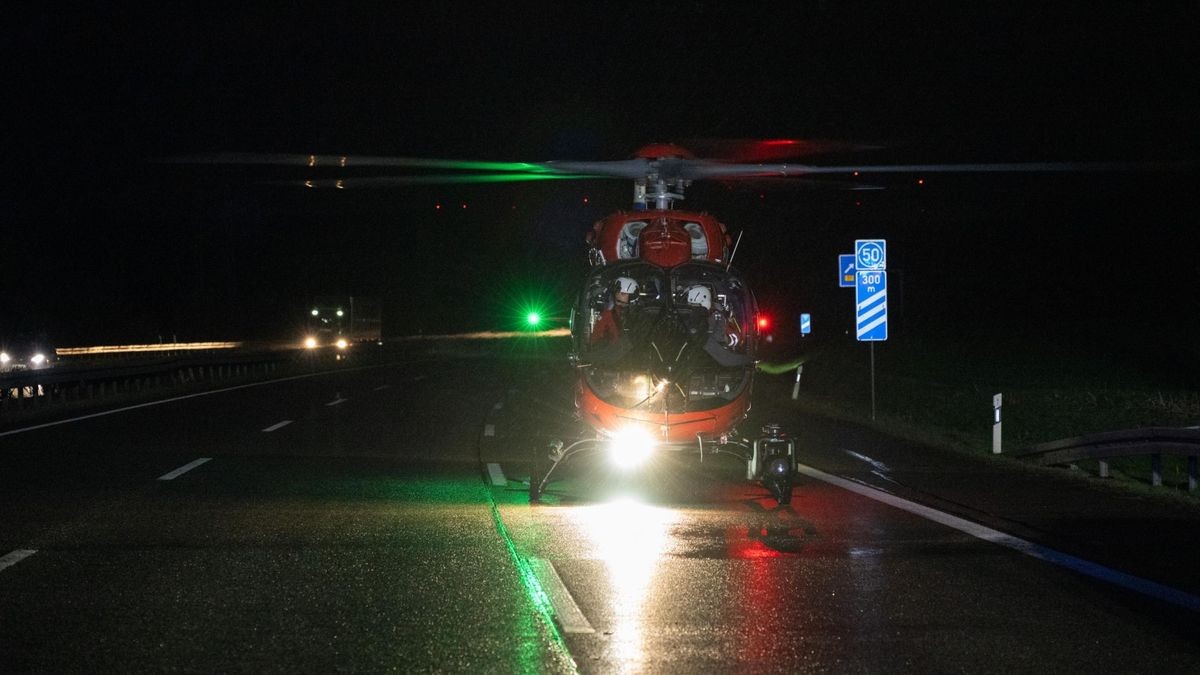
(940, 394)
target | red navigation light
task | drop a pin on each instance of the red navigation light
(920, 181)
(764, 322)
(438, 207)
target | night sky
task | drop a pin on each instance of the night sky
(103, 245)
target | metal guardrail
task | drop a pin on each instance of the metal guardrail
(95, 380)
(108, 350)
(1152, 441)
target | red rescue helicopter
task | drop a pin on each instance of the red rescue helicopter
(665, 331)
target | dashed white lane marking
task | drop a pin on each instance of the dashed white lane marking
(496, 474)
(1085, 567)
(382, 387)
(566, 612)
(10, 559)
(184, 469)
(489, 430)
(418, 378)
(337, 401)
(277, 425)
(499, 405)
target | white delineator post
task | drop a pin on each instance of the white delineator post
(996, 401)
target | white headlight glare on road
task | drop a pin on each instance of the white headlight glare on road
(341, 343)
(38, 359)
(4, 357)
(631, 447)
(310, 343)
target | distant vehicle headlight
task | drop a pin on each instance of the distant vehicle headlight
(341, 343)
(38, 359)
(310, 343)
(4, 357)
(631, 447)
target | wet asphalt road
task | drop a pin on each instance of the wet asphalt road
(365, 535)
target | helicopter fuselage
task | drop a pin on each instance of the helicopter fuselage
(664, 329)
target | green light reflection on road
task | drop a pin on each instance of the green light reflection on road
(537, 596)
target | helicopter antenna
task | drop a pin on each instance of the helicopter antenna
(735, 245)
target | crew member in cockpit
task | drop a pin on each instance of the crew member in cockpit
(611, 320)
(721, 326)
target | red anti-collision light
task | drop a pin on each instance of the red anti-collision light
(764, 322)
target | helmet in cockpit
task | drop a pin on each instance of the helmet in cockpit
(699, 296)
(627, 287)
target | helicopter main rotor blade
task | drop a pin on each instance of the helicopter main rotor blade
(349, 161)
(620, 168)
(701, 169)
(444, 179)
(672, 170)
(756, 150)
(792, 182)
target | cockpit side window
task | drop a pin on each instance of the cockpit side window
(617, 299)
(710, 290)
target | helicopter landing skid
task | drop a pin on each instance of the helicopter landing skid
(556, 455)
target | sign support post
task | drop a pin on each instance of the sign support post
(872, 381)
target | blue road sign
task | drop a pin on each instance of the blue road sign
(805, 324)
(846, 270)
(870, 254)
(870, 297)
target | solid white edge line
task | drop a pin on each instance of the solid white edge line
(570, 618)
(496, 474)
(278, 425)
(336, 401)
(172, 475)
(198, 394)
(382, 387)
(14, 557)
(1086, 567)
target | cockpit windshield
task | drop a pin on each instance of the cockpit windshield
(673, 340)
